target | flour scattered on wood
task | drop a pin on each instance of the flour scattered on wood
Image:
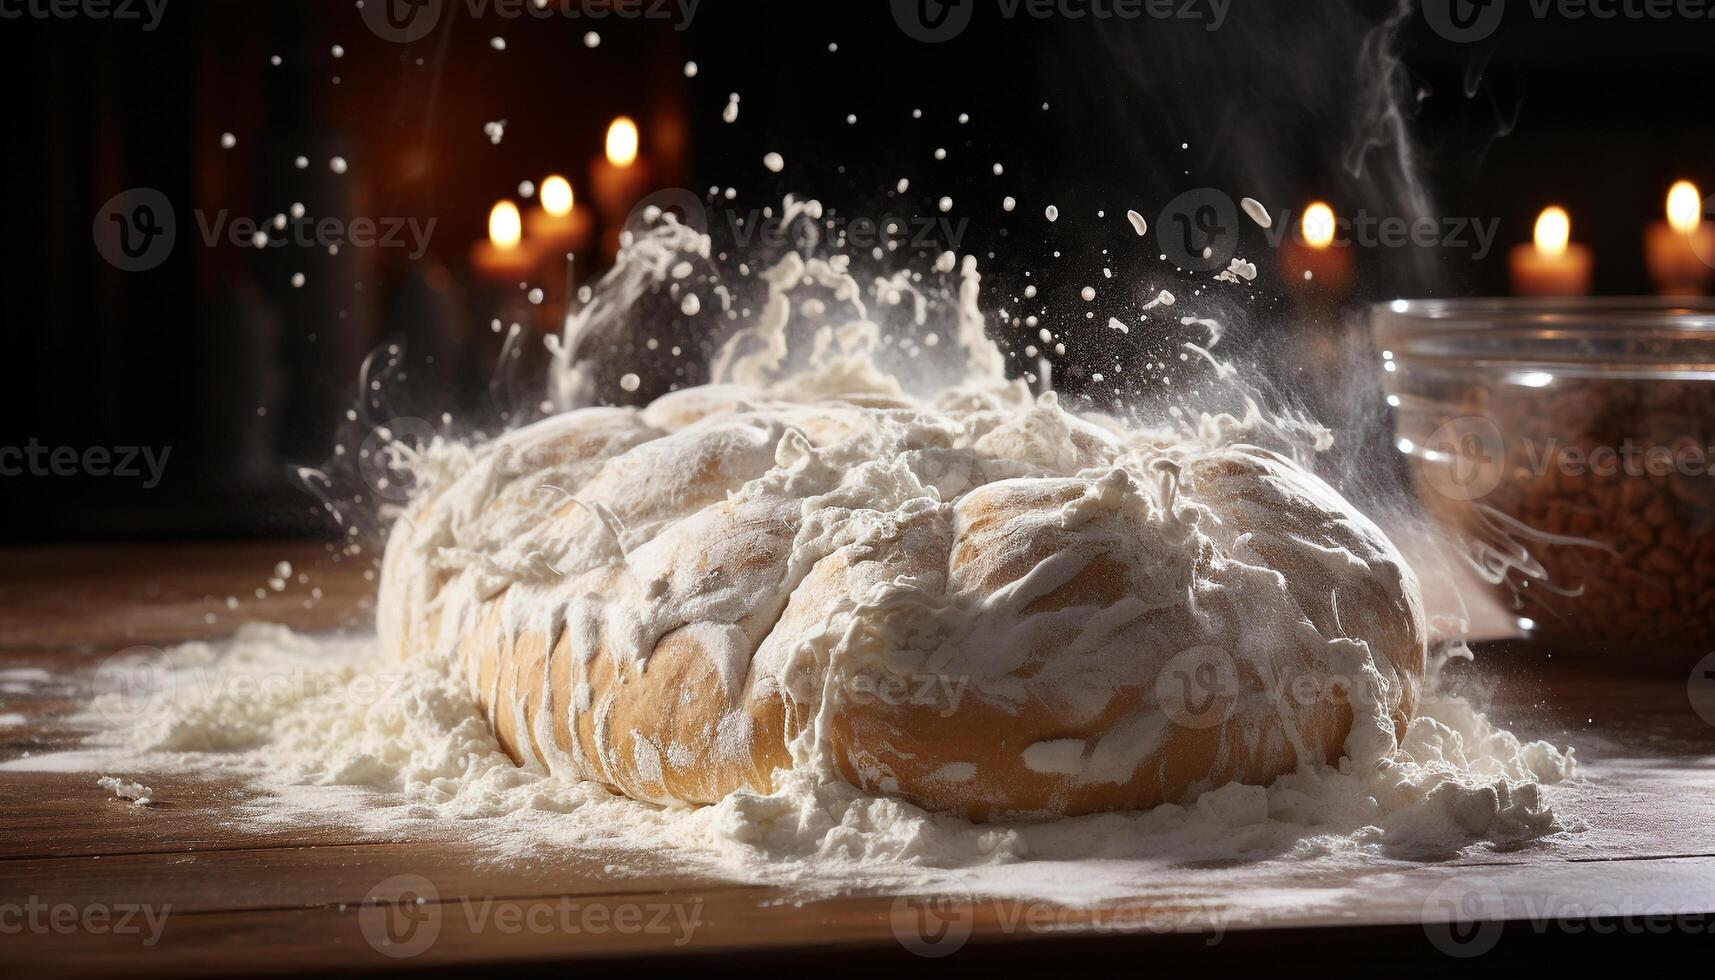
(125, 789)
(335, 733)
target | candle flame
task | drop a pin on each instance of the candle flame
(1684, 207)
(505, 229)
(557, 196)
(622, 142)
(1553, 231)
(1318, 225)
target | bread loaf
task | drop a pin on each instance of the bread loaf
(988, 606)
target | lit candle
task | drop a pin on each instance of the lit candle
(1553, 265)
(504, 257)
(560, 224)
(1316, 266)
(622, 141)
(1681, 250)
(617, 180)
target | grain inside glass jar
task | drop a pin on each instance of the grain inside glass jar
(1624, 467)
(1570, 448)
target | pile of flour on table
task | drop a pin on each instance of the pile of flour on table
(313, 719)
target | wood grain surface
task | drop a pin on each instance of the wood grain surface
(91, 885)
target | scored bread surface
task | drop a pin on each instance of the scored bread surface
(989, 606)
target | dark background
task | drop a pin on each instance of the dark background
(216, 355)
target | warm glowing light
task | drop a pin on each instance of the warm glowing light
(1318, 225)
(1553, 231)
(557, 196)
(622, 142)
(1684, 207)
(505, 229)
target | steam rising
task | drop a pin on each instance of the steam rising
(1279, 104)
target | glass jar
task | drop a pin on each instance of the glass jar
(1570, 444)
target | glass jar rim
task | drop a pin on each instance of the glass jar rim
(1667, 336)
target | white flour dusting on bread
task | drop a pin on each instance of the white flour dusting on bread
(976, 600)
(744, 580)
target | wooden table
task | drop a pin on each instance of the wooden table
(81, 872)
